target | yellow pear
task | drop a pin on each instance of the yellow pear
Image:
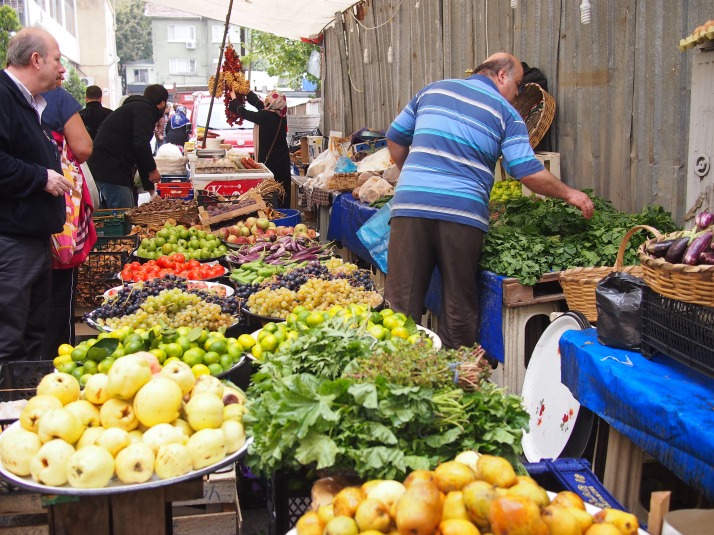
(326, 513)
(560, 521)
(454, 506)
(309, 524)
(585, 519)
(418, 475)
(469, 458)
(496, 470)
(457, 526)
(341, 525)
(418, 511)
(625, 522)
(567, 498)
(516, 515)
(530, 491)
(478, 497)
(452, 475)
(603, 529)
(373, 514)
(347, 501)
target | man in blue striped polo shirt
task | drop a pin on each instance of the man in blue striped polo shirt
(446, 142)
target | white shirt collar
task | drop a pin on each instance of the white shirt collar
(37, 102)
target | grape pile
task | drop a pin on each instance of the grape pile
(168, 299)
(295, 278)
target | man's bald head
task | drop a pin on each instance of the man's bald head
(506, 72)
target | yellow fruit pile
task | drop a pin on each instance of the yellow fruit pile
(127, 424)
(471, 495)
(505, 190)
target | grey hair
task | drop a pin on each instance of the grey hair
(25, 43)
(492, 68)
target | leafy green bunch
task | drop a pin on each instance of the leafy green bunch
(534, 236)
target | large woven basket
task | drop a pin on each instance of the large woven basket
(579, 283)
(537, 107)
(691, 284)
(342, 181)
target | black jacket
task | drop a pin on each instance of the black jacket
(26, 152)
(93, 114)
(123, 141)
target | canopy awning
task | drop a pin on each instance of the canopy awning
(294, 19)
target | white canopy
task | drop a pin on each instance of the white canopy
(293, 19)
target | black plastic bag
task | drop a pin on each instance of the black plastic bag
(618, 298)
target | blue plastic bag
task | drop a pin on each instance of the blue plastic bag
(374, 235)
(345, 165)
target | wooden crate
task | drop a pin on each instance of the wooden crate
(254, 203)
(546, 289)
(217, 512)
(22, 513)
(550, 160)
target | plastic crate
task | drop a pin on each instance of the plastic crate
(19, 379)
(176, 190)
(682, 331)
(289, 497)
(96, 275)
(574, 475)
(116, 244)
(167, 179)
(111, 222)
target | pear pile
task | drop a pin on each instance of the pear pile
(471, 495)
(127, 424)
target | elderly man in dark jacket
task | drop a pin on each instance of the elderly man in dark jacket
(123, 142)
(32, 204)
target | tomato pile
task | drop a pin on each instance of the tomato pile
(175, 264)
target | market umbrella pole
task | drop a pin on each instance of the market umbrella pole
(218, 73)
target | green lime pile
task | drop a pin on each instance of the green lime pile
(505, 190)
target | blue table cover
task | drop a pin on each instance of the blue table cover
(349, 214)
(662, 406)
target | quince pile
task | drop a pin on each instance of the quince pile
(471, 495)
(127, 424)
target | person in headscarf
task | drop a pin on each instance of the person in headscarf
(178, 129)
(270, 134)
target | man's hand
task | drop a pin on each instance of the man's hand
(582, 201)
(155, 176)
(57, 184)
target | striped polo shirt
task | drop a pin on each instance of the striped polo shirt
(457, 129)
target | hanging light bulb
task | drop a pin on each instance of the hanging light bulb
(416, 6)
(585, 8)
(366, 55)
(514, 4)
(390, 55)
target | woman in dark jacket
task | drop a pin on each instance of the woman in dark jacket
(269, 134)
(178, 128)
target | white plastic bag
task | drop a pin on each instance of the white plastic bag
(377, 161)
(325, 160)
(374, 188)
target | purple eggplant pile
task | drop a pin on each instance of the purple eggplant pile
(693, 247)
(284, 250)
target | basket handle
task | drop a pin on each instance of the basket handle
(626, 239)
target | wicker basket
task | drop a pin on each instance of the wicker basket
(691, 284)
(579, 283)
(537, 107)
(342, 181)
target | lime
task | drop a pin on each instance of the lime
(226, 362)
(291, 319)
(211, 357)
(269, 342)
(173, 350)
(386, 312)
(184, 343)
(105, 365)
(414, 339)
(314, 319)
(200, 369)
(91, 367)
(78, 372)
(390, 322)
(79, 354)
(183, 331)
(133, 344)
(219, 346)
(257, 351)
(246, 341)
(119, 352)
(215, 369)
(401, 317)
(61, 359)
(400, 332)
(67, 367)
(270, 327)
(65, 349)
(160, 354)
(193, 356)
(235, 350)
(377, 331)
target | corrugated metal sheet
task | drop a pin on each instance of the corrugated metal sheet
(621, 85)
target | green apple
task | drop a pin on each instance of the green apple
(17, 449)
(204, 411)
(127, 375)
(36, 407)
(49, 465)
(90, 468)
(172, 460)
(207, 447)
(61, 385)
(135, 463)
(158, 401)
(118, 413)
(60, 423)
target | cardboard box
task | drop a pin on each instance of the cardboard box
(311, 147)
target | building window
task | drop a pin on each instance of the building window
(217, 34)
(69, 17)
(56, 10)
(182, 66)
(141, 76)
(181, 33)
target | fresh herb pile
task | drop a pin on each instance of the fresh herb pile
(533, 236)
(319, 403)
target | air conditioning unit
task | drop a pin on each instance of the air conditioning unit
(190, 45)
(87, 80)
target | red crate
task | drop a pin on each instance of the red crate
(176, 190)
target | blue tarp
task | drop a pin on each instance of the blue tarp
(662, 406)
(349, 214)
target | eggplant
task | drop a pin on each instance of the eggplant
(707, 257)
(698, 246)
(704, 220)
(659, 249)
(676, 250)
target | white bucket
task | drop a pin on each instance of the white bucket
(214, 142)
(688, 522)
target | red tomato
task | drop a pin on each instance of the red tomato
(193, 274)
(163, 261)
(178, 257)
(139, 277)
(151, 262)
(127, 275)
(217, 270)
(193, 264)
(134, 265)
